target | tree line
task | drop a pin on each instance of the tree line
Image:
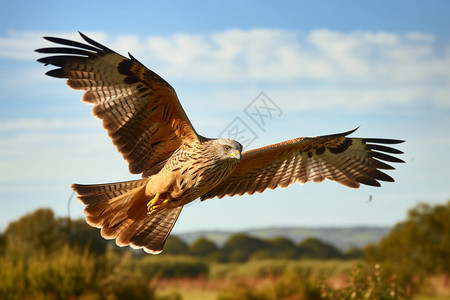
(241, 247)
(41, 232)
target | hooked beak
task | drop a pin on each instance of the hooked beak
(236, 155)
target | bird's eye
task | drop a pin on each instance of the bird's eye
(227, 148)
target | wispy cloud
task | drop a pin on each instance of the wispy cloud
(362, 68)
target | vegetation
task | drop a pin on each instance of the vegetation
(45, 257)
(363, 284)
(417, 247)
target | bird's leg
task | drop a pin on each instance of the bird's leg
(156, 203)
(152, 202)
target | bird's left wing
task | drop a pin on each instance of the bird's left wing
(139, 109)
(349, 161)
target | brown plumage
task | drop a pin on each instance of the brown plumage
(146, 122)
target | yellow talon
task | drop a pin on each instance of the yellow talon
(153, 201)
(154, 204)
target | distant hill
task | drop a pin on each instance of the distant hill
(341, 237)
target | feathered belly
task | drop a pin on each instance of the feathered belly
(197, 180)
(184, 184)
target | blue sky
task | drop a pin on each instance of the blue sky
(329, 66)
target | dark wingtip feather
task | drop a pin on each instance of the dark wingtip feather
(58, 60)
(57, 73)
(131, 56)
(71, 43)
(383, 141)
(386, 157)
(369, 181)
(94, 43)
(381, 165)
(341, 134)
(384, 149)
(64, 50)
(134, 58)
(383, 176)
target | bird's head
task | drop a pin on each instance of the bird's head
(228, 148)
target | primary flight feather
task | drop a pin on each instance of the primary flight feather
(146, 122)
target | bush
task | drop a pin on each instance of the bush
(12, 281)
(290, 285)
(116, 281)
(297, 285)
(169, 267)
(365, 284)
(64, 275)
(417, 247)
(124, 284)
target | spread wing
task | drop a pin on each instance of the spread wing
(349, 161)
(139, 109)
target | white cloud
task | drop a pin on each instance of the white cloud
(20, 45)
(367, 68)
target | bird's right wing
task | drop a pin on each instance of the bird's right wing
(349, 161)
(139, 109)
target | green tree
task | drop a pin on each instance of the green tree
(79, 233)
(239, 247)
(175, 246)
(283, 248)
(315, 248)
(353, 253)
(203, 247)
(34, 234)
(418, 246)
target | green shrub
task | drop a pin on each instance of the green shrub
(12, 281)
(290, 285)
(124, 284)
(240, 290)
(169, 267)
(416, 248)
(295, 285)
(117, 281)
(66, 274)
(365, 283)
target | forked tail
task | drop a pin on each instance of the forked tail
(120, 210)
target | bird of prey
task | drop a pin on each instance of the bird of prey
(146, 122)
